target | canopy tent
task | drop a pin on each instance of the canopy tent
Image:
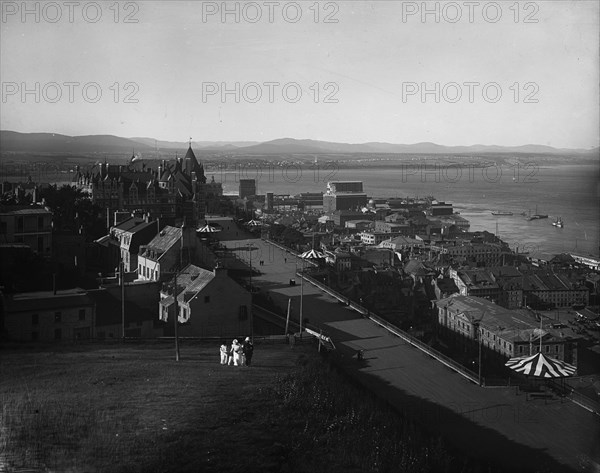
(208, 229)
(312, 254)
(254, 223)
(541, 366)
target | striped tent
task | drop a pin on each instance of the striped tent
(208, 229)
(312, 254)
(541, 366)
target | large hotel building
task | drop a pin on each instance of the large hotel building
(344, 195)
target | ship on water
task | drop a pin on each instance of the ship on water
(536, 215)
(501, 212)
(558, 222)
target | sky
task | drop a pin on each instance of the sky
(453, 73)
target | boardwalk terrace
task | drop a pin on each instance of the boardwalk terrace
(507, 333)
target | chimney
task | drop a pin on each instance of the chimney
(219, 271)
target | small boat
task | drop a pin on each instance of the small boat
(537, 216)
(501, 212)
(558, 222)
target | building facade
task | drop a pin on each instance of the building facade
(201, 308)
(30, 225)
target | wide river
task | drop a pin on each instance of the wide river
(564, 190)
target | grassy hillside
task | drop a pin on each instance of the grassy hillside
(132, 408)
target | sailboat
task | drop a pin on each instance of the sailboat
(558, 222)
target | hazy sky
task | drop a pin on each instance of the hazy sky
(501, 73)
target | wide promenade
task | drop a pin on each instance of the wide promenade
(488, 423)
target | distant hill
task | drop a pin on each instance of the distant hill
(216, 145)
(294, 146)
(55, 143)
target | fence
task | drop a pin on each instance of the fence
(445, 360)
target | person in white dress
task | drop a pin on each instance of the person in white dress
(223, 353)
(234, 353)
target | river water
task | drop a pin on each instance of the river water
(570, 191)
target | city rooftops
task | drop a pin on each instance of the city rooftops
(514, 325)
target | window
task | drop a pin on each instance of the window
(40, 223)
(57, 316)
(19, 224)
(520, 349)
(57, 334)
(35, 336)
(206, 299)
(547, 348)
(81, 314)
(35, 319)
(243, 313)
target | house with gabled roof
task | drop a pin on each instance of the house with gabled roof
(207, 303)
(170, 250)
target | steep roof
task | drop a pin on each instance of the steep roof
(190, 281)
(167, 237)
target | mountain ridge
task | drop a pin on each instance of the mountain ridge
(13, 141)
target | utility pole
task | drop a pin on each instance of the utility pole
(175, 297)
(122, 274)
(301, 295)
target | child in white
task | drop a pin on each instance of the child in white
(223, 354)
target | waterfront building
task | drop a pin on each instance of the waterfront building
(553, 289)
(589, 261)
(440, 208)
(344, 195)
(29, 225)
(247, 188)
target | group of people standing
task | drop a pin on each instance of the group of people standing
(240, 354)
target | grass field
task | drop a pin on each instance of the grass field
(132, 408)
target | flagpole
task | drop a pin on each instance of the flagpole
(301, 295)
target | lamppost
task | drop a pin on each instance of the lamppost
(250, 249)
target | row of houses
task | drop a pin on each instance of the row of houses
(148, 311)
(514, 288)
